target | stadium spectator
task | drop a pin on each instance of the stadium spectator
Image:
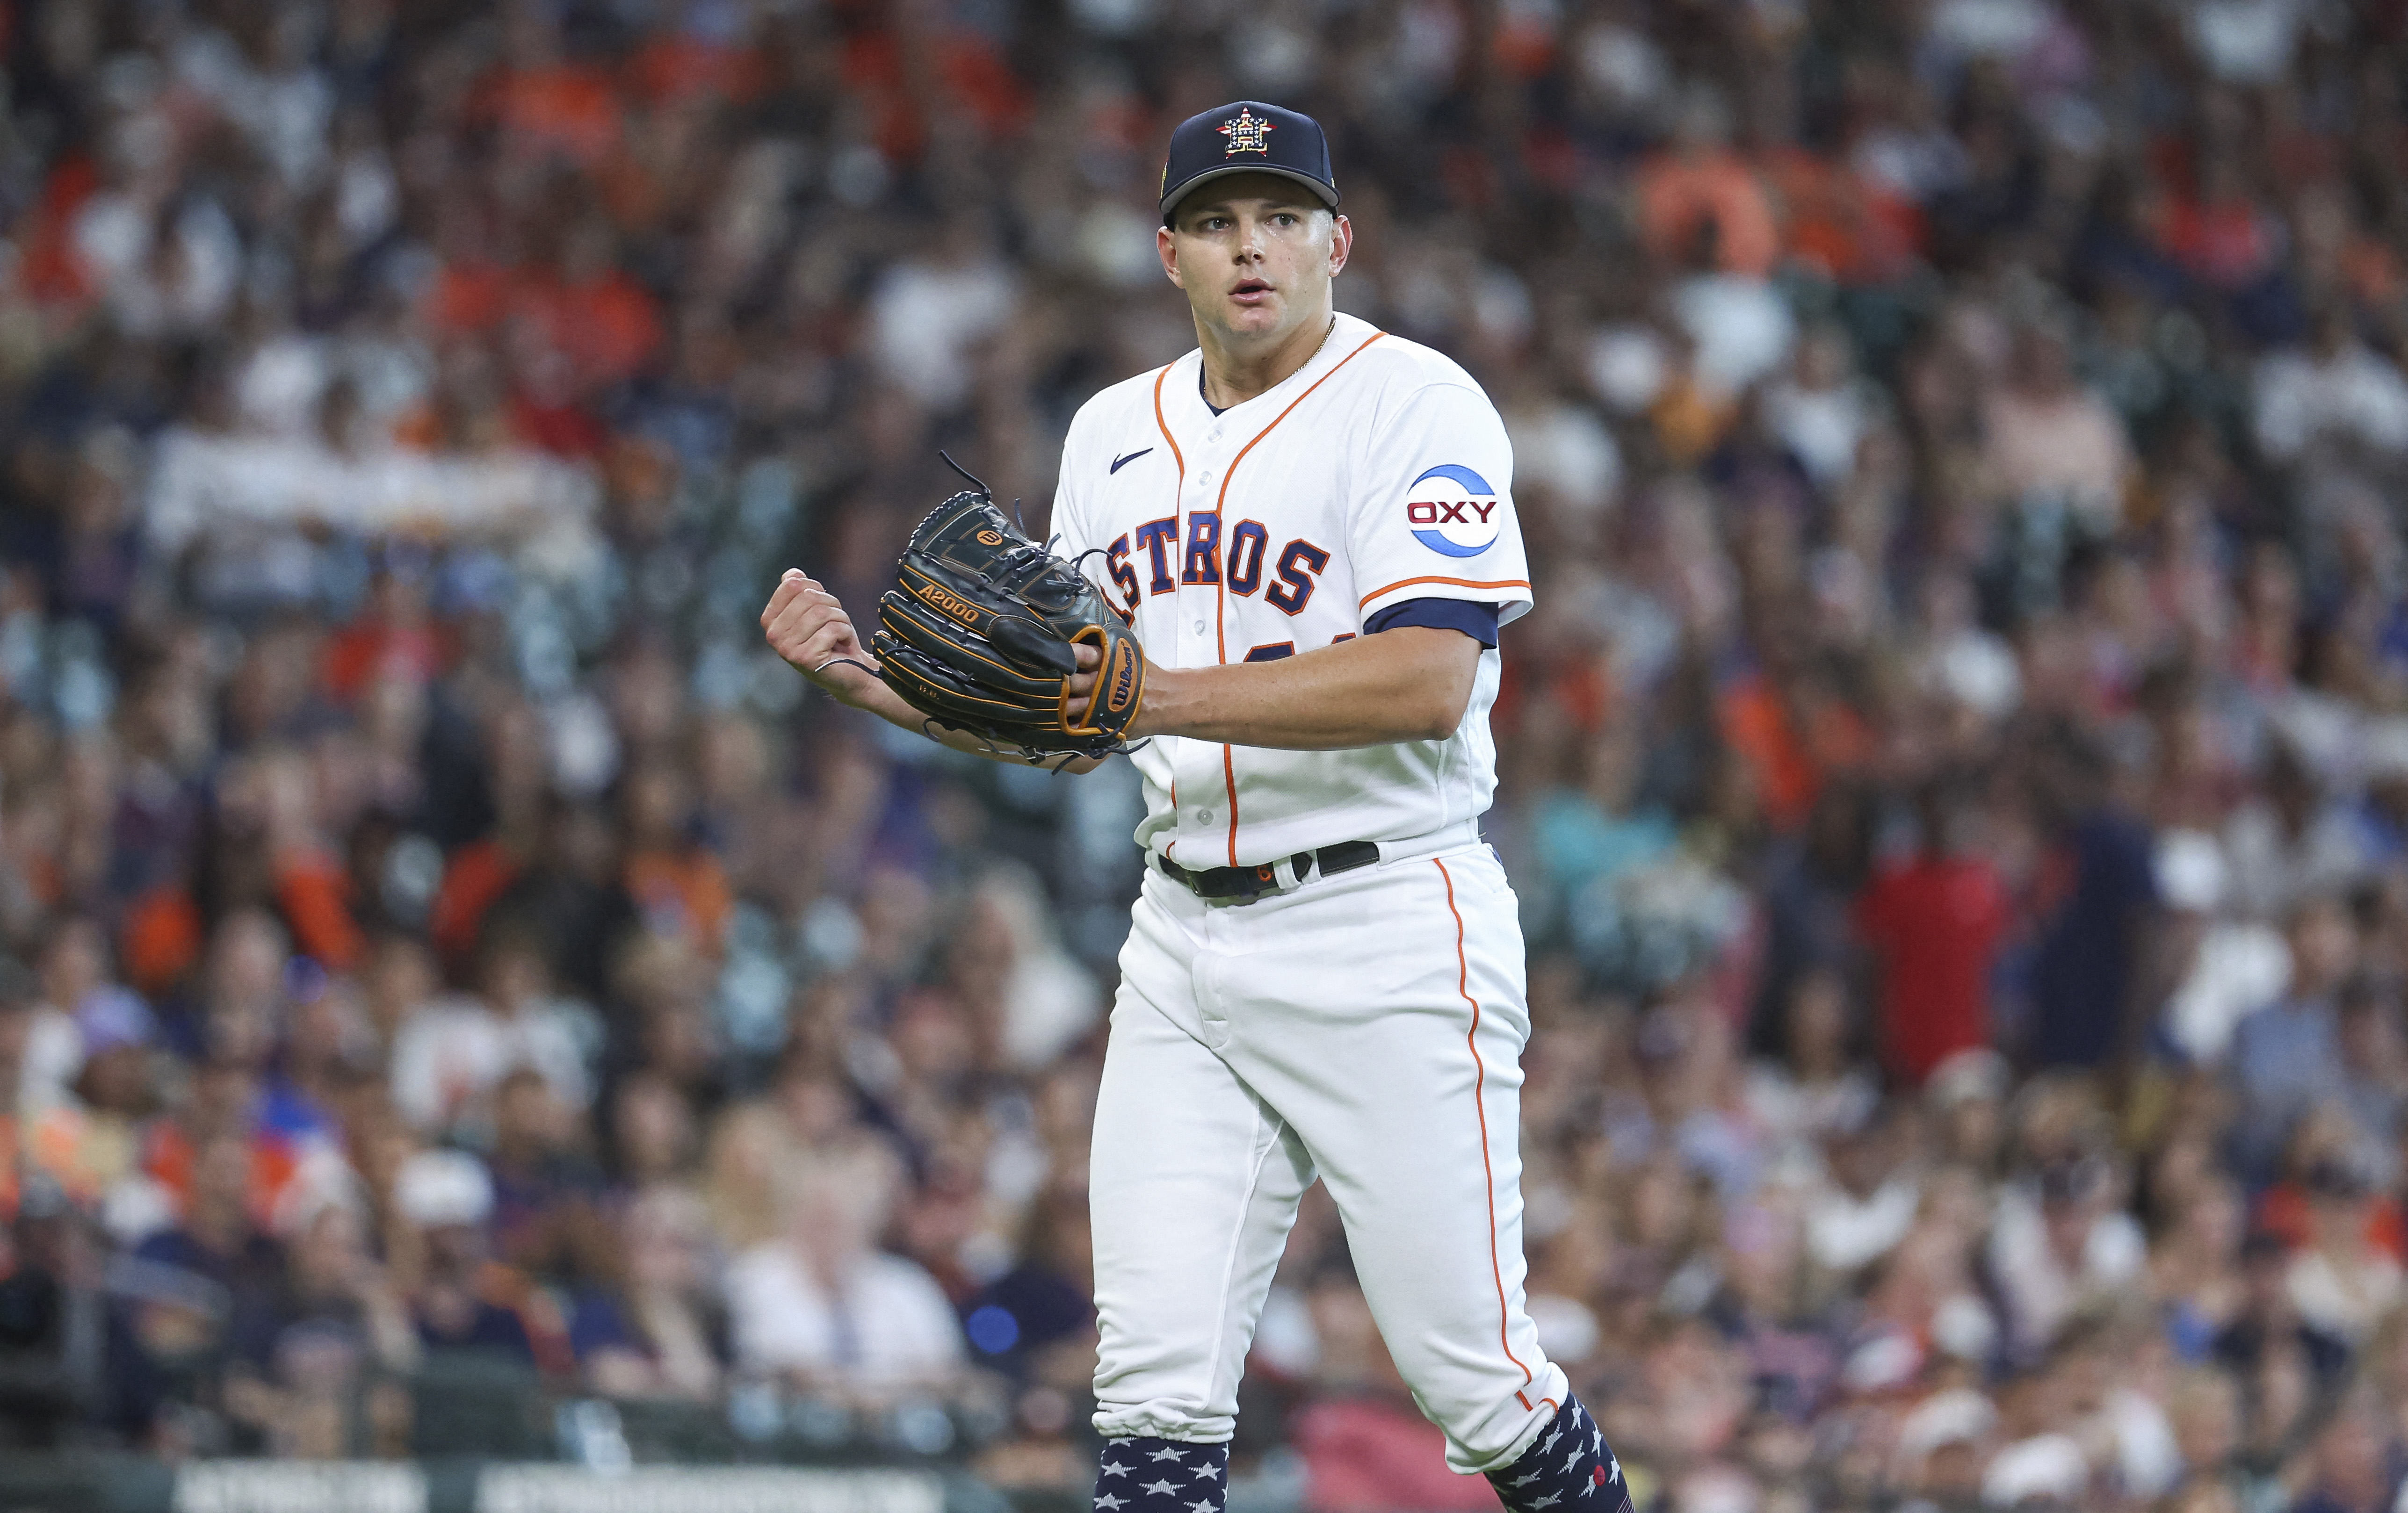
(465, 1301)
(825, 1307)
(661, 1332)
(450, 1058)
(1933, 924)
(326, 1339)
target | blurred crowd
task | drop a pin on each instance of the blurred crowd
(1956, 775)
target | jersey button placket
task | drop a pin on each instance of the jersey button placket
(1193, 597)
(1195, 649)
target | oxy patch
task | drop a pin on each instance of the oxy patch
(1452, 511)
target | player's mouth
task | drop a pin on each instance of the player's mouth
(1251, 292)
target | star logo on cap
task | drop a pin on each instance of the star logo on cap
(1246, 132)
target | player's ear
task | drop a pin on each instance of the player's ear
(1169, 248)
(1341, 243)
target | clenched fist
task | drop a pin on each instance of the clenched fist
(805, 625)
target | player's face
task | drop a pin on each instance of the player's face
(1255, 254)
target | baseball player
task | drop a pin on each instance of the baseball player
(1308, 525)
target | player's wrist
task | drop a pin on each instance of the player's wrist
(857, 684)
(872, 695)
(851, 680)
(1163, 709)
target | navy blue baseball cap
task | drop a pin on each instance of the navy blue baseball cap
(1247, 137)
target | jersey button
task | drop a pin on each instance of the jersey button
(1204, 817)
(1200, 627)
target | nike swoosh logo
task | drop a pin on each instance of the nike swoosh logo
(1119, 462)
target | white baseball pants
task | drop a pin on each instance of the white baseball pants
(1366, 1028)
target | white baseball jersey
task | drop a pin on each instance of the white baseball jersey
(1376, 474)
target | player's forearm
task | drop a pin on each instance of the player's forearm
(873, 695)
(884, 702)
(1409, 684)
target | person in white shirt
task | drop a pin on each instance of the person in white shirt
(2336, 388)
(449, 1055)
(1309, 524)
(2058, 1243)
(823, 1305)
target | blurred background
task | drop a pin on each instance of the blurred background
(463, 997)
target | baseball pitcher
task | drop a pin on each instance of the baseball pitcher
(1283, 561)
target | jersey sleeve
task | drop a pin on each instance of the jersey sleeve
(1476, 618)
(1434, 516)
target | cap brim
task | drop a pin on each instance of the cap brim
(1323, 192)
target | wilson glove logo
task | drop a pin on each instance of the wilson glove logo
(1122, 685)
(1452, 511)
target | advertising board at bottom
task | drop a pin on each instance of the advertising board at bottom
(369, 1486)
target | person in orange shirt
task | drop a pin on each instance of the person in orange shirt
(479, 872)
(675, 66)
(678, 885)
(546, 104)
(605, 322)
(394, 634)
(1793, 728)
(1699, 186)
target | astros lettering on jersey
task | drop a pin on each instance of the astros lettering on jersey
(1376, 474)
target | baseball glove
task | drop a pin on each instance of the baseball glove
(982, 634)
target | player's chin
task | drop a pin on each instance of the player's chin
(1265, 313)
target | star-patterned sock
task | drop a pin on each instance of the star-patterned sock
(1568, 1469)
(1145, 1475)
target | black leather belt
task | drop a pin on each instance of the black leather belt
(1246, 884)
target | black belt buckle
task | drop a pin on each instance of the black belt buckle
(1240, 885)
(1246, 884)
(1236, 885)
(1243, 885)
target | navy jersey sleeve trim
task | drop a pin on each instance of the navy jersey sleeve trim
(1477, 620)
